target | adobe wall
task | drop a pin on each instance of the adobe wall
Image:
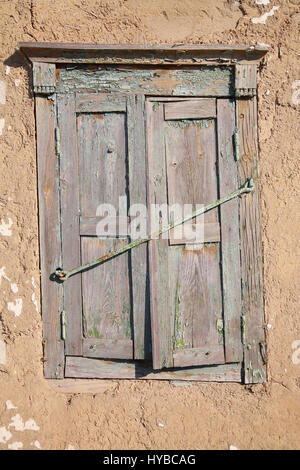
(150, 415)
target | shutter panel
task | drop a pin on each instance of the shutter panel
(95, 134)
(186, 279)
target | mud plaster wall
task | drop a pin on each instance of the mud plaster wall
(150, 415)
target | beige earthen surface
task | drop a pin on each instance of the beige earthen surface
(129, 414)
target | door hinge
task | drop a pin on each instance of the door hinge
(236, 141)
(63, 324)
(57, 141)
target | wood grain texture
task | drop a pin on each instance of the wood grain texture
(140, 53)
(85, 368)
(195, 233)
(103, 161)
(245, 80)
(49, 231)
(231, 270)
(100, 103)
(251, 250)
(69, 201)
(112, 226)
(161, 317)
(187, 316)
(204, 81)
(192, 109)
(81, 386)
(137, 195)
(44, 78)
(198, 356)
(108, 348)
(105, 291)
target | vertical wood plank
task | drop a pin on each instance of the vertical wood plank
(252, 283)
(105, 291)
(230, 246)
(161, 320)
(50, 243)
(137, 195)
(69, 196)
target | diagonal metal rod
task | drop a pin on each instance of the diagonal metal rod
(62, 275)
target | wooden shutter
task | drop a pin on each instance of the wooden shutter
(195, 290)
(101, 160)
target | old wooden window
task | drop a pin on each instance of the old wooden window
(174, 125)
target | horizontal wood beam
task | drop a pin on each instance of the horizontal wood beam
(134, 53)
(83, 367)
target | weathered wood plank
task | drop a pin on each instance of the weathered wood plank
(161, 317)
(231, 271)
(251, 251)
(204, 81)
(116, 226)
(105, 291)
(196, 289)
(140, 53)
(44, 78)
(103, 161)
(137, 195)
(107, 348)
(82, 385)
(198, 304)
(245, 80)
(195, 233)
(50, 243)
(192, 109)
(69, 201)
(82, 367)
(100, 103)
(198, 356)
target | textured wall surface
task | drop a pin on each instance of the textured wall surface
(150, 415)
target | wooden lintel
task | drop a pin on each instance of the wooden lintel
(192, 54)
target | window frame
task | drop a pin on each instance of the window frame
(47, 60)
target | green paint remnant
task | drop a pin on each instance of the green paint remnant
(178, 340)
(157, 179)
(155, 105)
(183, 123)
(220, 330)
(243, 326)
(93, 333)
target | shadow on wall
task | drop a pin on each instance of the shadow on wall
(18, 59)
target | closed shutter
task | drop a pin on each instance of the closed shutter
(100, 145)
(195, 288)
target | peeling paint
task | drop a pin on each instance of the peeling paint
(17, 82)
(16, 307)
(7, 70)
(262, 2)
(5, 435)
(233, 448)
(10, 406)
(263, 18)
(5, 230)
(15, 445)
(2, 92)
(19, 425)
